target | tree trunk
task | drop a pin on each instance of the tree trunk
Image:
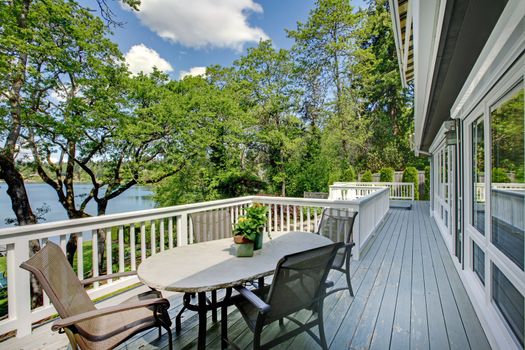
(16, 191)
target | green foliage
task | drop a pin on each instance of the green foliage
(411, 175)
(276, 121)
(427, 183)
(250, 224)
(499, 175)
(386, 175)
(367, 176)
(519, 174)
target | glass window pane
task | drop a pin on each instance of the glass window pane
(507, 186)
(478, 262)
(509, 301)
(478, 176)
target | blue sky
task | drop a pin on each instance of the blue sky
(178, 35)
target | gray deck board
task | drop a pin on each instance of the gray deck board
(438, 337)
(418, 317)
(408, 295)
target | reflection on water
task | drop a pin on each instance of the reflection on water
(42, 195)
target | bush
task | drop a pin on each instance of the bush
(427, 183)
(386, 175)
(367, 176)
(349, 174)
(410, 175)
(499, 175)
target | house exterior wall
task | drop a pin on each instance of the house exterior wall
(468, 204)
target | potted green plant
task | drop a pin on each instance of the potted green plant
(248, 229)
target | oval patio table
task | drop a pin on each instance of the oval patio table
(209, 266)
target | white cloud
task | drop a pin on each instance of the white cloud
(202, 23)
(141, 58)
(193, 72)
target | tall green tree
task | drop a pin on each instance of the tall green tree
(382, 99)
(266, 75)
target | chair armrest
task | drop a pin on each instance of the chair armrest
(253, 299)
(72, 320)
(92, 280)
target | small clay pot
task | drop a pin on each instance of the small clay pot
(239, 239)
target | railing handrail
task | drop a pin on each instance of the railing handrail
(372, 183)
(92, 223)
(398, 190)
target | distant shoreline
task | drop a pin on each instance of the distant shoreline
(37, 182)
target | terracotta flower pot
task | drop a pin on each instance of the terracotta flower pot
(239, 239)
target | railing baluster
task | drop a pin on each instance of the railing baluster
(132, 247)
(109, 253)
(18, 286)
(142, 241)
(288, 218)
(161, 229)
(80, 255)
(301, 218)
(315, 219)
(63, 242)
(269, 218)
(153, 239)
(121, 267)
(294, 218)
(182, 229)
(282, 218)
(308, 218)
(275, 229)
(94, 256)
(170, 232)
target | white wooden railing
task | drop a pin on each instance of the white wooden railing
(479, 188)
(398, 190)
(134, 236)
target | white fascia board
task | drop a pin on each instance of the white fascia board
(428, 21)
(489, 66)
(396, 28)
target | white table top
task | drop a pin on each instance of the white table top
(209, 266)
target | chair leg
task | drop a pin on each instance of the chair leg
(320, 325)
(349, 282)
(347, 273)
(170, 336)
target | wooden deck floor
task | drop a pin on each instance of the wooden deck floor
(408, 295)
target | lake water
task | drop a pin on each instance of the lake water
(136, 198)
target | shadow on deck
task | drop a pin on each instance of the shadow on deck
(408, 295)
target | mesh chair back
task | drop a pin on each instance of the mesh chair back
(338, 226)
(59, 281)
(299, 280)
(211, 225)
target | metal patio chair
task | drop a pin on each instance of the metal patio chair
(299, 282)
(207, 226)
(338, 225)
(86, 326)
